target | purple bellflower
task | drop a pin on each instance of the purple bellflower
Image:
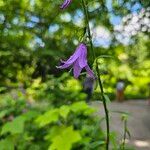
(65, 4)
(79, 61)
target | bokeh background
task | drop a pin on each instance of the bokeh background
(34, 36)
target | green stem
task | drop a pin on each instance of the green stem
(124, 136)
(86, 13)
(105, 106)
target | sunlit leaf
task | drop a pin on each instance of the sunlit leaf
(79, 106)
(47, 118)
(14, 127)
(64, 111)
(65, 139)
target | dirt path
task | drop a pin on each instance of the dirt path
(138, 123)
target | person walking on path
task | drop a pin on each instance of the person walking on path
(120, 90)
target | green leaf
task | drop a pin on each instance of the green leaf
(3, 113)
(107, 99)
(6, 144)
(124, 117)
(65, 139)
(96, 144)
(47, 118)
(64, 111)
(89, 111)
(113, 138)
(2, 89)
(128, 132)
(30, 115)
(104, 56)
(121, 112)
(14, 127)
(54, 131)
(79, 106)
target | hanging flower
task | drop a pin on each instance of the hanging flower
(65, 4)
(79, 61)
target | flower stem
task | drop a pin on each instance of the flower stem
(124, 135)
(104, 104)
(124, 138)
(86, 13)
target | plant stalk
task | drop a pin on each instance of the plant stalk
(86, 13)
(124, 136)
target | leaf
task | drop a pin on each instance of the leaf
(113, 138)
(64, 111)
(30, 115)
(128, 132)
(54, 131)
(104, 56)
(79, 106)
(2, 89)
(65, 139)
(89, 111)
(14, 127)
(6, 144)
(3, 113)
(124, 117)
(96, 144)
(47, 118)
(121, 112)
(107, 99)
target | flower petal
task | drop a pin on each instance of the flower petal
(65, 4)
(83, 56)
(90, 72)
(63, 66)
(74, 57)
(76, 69)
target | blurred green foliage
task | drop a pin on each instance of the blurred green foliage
(35, 35)
(49, 128)
(42, 107)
